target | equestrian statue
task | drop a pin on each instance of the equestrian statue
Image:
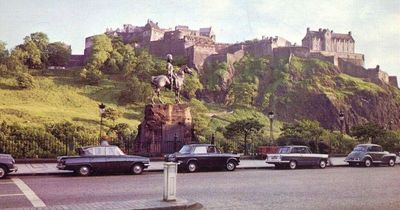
(173, 81)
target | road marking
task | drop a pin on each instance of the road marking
(5, 195)
(32, 197)
(6, 182)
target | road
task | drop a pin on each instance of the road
(330, 188)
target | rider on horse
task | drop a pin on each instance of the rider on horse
(170, 70)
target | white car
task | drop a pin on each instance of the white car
(294, 156)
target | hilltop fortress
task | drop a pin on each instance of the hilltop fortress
(199, 47)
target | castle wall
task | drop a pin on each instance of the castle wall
(285, 52)
(197, 55)
(328, 58)
(161, 48)
(393, 81)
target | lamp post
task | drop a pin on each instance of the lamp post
(212, 139)
(271, 120)
(341, 119)
(102, 109)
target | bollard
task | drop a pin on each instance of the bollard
(170, 172)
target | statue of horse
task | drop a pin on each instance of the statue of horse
(161, 81)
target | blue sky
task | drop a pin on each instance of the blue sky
(375, 25)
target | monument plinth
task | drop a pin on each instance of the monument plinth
(164, 129)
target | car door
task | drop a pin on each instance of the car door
(214, 159)
(200, 153)
(376, 153)
(115, 161)
(296, 154)
(98, 159)
(308, 157)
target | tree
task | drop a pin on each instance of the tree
(3, 52)
(302, 132)
(191, 86)
(368, 132)
(136, 91)
(36, 47)
(90, 76)
(112, 114)
(59, 54)
(243, 128)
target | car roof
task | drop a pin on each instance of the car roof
(196, 145)
(86, 147)
(294, 146)
(369, 145)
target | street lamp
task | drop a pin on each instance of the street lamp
(271, 120)
(102, 110)
(341, 119)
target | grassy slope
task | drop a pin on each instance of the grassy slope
(58, 98)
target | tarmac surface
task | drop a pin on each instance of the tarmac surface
(155, 166)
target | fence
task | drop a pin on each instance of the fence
(51, 149)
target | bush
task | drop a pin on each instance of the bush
(90, 76)
(25, 81)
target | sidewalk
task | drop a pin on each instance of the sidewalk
(133, 204)
(155, 166)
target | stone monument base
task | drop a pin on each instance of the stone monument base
(164, 129)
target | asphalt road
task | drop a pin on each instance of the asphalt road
(330, 188)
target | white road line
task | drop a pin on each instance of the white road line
(6, 182)
(32, 197)
(5, 195)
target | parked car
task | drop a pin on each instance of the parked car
(7, 165)
(368, 154)
(192, 157)
(294, 156)
(102, 159)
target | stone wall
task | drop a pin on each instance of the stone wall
(76, 60)
(164, 129)
(197, 54)
(285, 52)
(393, 81)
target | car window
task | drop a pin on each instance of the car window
(89, 151)
(360, 148)
(200, 150)
(99, 151)
(111, 151)
(211, 149)
(301, 150)
(284, 150)
(375, 149)
(185, 149)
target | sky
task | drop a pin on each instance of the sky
(375, 24)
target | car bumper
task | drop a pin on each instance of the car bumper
(61, 167)
(13, 169)
(353, 161)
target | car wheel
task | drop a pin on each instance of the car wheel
(192, 166)
(137, 169)
(391, 162)
(367, 162)
(3, 172)
(230, 166)
(322, 164)
(292, 164)
(84, 171)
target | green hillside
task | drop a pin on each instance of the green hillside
(59, 97)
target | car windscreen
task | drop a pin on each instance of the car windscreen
(360, 148)
(185, 149)
(284, 150)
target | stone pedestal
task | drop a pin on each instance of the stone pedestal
(165, 129)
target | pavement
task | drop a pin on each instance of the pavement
(132, 204)
(155, 166)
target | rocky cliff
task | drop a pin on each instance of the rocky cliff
(296, 88)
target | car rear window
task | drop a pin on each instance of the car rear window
(360, 148)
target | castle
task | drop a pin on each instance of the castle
(199, 47)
